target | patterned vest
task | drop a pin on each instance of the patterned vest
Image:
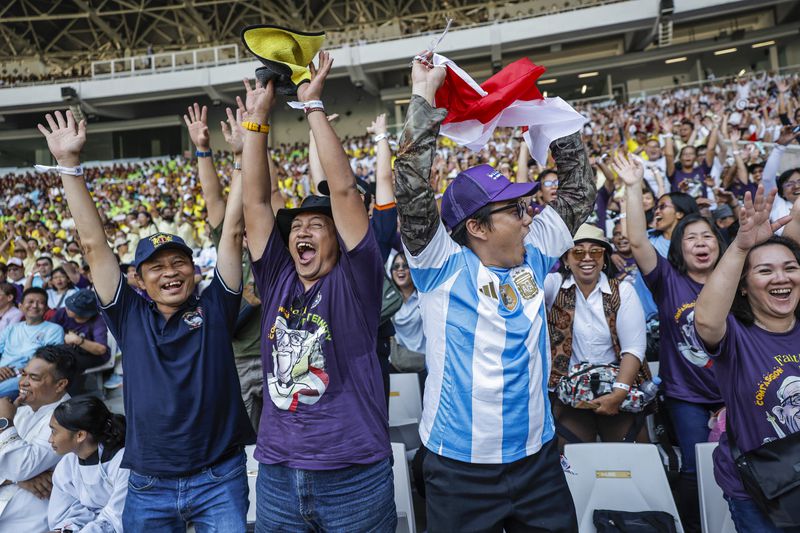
(559, 323)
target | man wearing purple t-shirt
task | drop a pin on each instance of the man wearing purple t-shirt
(689, 174)
(323, 442)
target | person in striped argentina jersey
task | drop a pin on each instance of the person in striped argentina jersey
(492, 462)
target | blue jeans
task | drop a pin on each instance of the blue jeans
(748, 518)
(690, 421)
(215, 500)
(9, 388)
(356, 498)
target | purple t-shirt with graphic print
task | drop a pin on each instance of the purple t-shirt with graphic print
(675, 296)
(759, 376)
(695, 178)
(324, 403)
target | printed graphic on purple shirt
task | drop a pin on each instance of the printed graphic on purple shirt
(695, 180)
(759, 377)
(681, 354)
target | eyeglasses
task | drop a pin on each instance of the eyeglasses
(580, 253)
(520, 208)
(550, 183)
(400, 266)
(793, 400)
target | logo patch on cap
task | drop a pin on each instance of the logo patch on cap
(495, 174)
(160, 238)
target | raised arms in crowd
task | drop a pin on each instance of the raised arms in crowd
(349, 215)
(631, 172)
(197, 124)
(65, 139)
(384, 187)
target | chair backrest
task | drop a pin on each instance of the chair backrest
(252, 476)
(402, 490)
(715, 516)
(617, 476)
(405, 400)
(653, 367)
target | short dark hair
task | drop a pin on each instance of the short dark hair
(46, 258)
(482, 216)
(62, 357)
(783, 178)
(8, 289)
(683, 203)
(34, 290)
(675, 255)
(741, 308)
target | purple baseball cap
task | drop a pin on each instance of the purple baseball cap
(476, 187)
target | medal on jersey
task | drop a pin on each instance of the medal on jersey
(525, 283)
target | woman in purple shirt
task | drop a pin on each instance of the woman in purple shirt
(691, 390)
(754, 350)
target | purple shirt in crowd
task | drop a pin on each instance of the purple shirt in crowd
(324, 403)
(759, 375)
(675, 295)
(94, 329)
(696, 179)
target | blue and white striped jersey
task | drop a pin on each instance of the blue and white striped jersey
(487, 348)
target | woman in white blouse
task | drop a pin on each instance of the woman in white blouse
(89, 487)
(596, 320)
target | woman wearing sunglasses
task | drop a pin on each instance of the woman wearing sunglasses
(594, 318)
(746, 316)
(692, 392)
(408, 319)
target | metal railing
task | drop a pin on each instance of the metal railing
(166, 62)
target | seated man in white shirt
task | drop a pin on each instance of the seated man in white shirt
(25, 452)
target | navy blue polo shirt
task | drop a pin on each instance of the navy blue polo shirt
(183, 403)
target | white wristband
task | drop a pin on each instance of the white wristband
(623, 386)
(667, 135)
(71, 171)
(307, 105)
(379, 137)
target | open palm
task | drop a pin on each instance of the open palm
(197, 123)
(65, 138)
(630, 171)
(754, 224)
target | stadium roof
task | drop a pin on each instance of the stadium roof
(79, 30)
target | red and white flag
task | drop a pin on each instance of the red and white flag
(510, 98)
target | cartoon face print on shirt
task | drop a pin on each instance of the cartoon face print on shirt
(788, 409)
(298, 364)
(690, 346)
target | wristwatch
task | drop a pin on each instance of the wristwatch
(4, 423)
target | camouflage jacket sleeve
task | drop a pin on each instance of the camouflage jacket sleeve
(576, 182)
(416, 202)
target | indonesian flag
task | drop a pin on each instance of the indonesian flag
(510, 98)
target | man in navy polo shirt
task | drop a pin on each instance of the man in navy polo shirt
(186, 420)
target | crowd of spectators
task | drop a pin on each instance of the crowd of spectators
(700, 150)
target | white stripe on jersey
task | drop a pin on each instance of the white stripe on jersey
(486, 393)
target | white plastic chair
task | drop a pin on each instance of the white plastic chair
(715, 516)
(113, 349)
(617, 476)
(405, 400)
(252, 475)
(653, 367)
(402, 491)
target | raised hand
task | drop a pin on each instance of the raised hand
(630, 171)
(65, 138)
(378, 125)
(754, 224)
(782, 86)
(313, 90)
(258, 102)
(197, 123)
(667, 125)
(787, 135)
(233, 131)
(423, 71)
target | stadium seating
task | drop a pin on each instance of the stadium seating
(617, 476)
(715, 516)
(402, 490)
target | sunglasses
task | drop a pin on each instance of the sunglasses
(550, 183)
(580, 253)
(400, 266)
(519, 207)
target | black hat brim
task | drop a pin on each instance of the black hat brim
(284, 218)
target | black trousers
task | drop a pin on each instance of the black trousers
(528, 495)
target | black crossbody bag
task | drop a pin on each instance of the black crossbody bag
(771, 476)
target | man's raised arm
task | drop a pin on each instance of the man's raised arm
(416, 201)
(256, 188)
(576, 183)
(197, 124)
(65, 139)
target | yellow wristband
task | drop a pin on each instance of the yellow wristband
(254, 126)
